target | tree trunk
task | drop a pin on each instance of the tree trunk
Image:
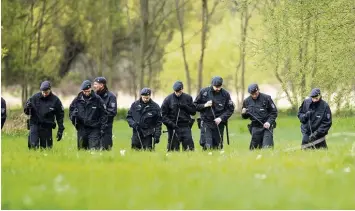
(203, 44)
(180, 18)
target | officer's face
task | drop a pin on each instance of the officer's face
(255, 95)
(316, 99)
(178, 93)
(86, 92)
(217, 88)
(98, 86)
(46, 93)
(145, 99)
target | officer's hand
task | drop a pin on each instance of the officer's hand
(29, 104)
(175, 127)
(75, 112)
(244, 110)
(313, 137)
(208, 104)
(218, 120)
(309, 114)
(59, 135)
(156, 140)
(266, 125)
(135, 126)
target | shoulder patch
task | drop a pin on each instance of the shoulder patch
(328, 115)
(272, 105)
(113, 105)
(204, 94)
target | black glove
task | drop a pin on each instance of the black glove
(59, 135)
(175, 127)
(309, 114)
(156, 140)
(102, 133)
(135, 126)
(313, 137)
(29, 104)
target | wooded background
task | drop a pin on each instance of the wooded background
(291, 44)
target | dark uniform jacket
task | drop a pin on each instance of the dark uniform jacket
(3, 112)
(147, 116)
(170, 109)
(222, 104)
(110, 101)
(320, 118)
(89, 112)
(263, 108)
(44, 111)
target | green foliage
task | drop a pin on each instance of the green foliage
(64, 178)
(311, 44)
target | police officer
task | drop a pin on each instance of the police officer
(177, 109)
(42, 108)
(144, 117)
(3, 112)
(316, 120)
(216, 107)
(88, 114)
(111, 106)
(261, 110)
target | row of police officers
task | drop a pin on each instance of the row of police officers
(93, 110)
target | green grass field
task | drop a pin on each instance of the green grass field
(236, 179)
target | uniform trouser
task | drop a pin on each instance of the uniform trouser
(261, 138)
(321, 145)
(139, 142)
(107, 138)
(88, 138)
(211, 137)
(183, 135)
(40, 137)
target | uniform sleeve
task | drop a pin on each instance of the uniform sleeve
(59, 115)
(272, 111)
(326, 123)
(246, 114)
(301, 113)
(112, 106)
(103, 116)
(72, 111)
(3, 112)
(158, 126)
(198, 104)
(190, 107)
(229, 109)
(129, 116)
(165, 112)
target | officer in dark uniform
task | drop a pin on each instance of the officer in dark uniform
(43, 108)
(261, 110)
(89, 116)
(177, 109)
(145, 118)
(216, 107)
(3, 112)
(111, 106)
(316, 120)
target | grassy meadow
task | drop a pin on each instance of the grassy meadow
(63, 178)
